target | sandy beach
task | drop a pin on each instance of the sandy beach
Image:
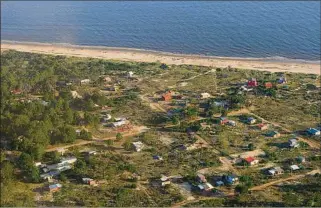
(137, 55)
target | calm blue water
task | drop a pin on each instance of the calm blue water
(237, 29)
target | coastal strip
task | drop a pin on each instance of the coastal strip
(139, 55)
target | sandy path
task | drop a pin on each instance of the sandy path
(264, 186)
(132, 132)
(168, 58)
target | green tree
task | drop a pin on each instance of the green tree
(119, 136)
(175, 120)
(242, 189)
(250, 146)
(7, 172)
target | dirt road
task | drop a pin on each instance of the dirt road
(227, 164)
(152, 105)
(264, 186)
(132, 132)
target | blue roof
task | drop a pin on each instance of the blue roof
(58, 185)
(219, 183)
(312, 130)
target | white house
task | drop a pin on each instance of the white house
(130, 74)
(294, 167)
(205, 95)
(85, 81)
(75, 94)
(138, 146)
(118, 123)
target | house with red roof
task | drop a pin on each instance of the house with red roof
(252, 83)
(263, 126)
(16, 91)
(251, 161)
(268, 85)
(167, 96)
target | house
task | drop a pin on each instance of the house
(274, 134)
(61, 83)
(75, 94)
(205, 187)
(46, 176)
(293, 143)
(251, 161)
(130, 74)
(275, 171)
(251, 120)
(89, 181)
(16, 91)
(231, 123)
(223, 120)
(61, 151)
(244, 88)
(78, 132)
(106, 78)
(157, 157)
(205, 95)
(177, 179)
(44, 103)
(92, 152)
(167, 96)
(118, 123)
(282, 80)
(164, 180)
(138, 146)
(219, 183)
(252, 83)
(54, 187)
(107, 117)
(38, 164)
(201, 178)
(268, 85)
(68, 160)
(229, 179)
(262, 126)
(219, 103)
(313, 131)
(294, 167)
(85, 81)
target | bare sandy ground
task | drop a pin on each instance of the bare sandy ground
(137, 55)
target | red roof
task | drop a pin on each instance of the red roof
(261, 125)
(268, 84)
(249, 159)
(167, 96)
(16, 91)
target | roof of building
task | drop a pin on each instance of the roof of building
(57, 185)
(313, 130)
(249, 159)
(294, 167)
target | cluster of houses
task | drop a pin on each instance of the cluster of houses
(118, 121)
(53, 170)
(224, 120)
(252, 83)
(278, 170)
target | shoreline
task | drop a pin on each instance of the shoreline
(272, 64)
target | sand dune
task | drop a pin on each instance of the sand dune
(127, 54)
